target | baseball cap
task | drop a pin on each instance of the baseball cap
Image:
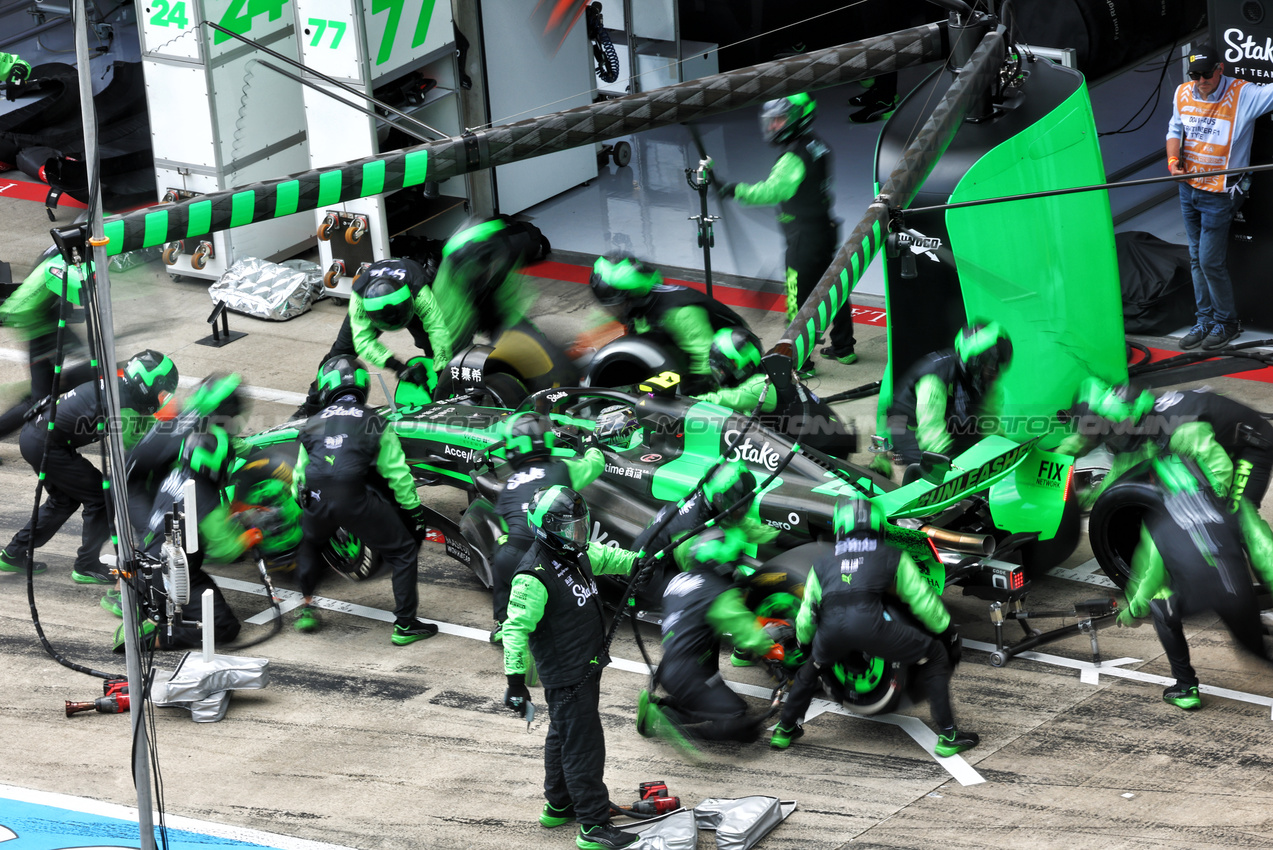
(1203, 60)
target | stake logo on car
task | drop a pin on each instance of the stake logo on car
(762, 455)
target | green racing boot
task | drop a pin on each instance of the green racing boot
(1183, 696)
(845, 357)
(653, 722)
(551, 816)
(782, 736)
(307, 620)
(98, 574)
(148, 629)
(113, 602)
(16, 564)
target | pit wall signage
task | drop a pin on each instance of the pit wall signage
(1247, 56)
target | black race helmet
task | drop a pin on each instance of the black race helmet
(731, 483)
(146, 381)
(388, 289)
(783, 119)
(619, 278)
(209, 453)
(984, 350)
(221, 400)
(480, 258)
(342, 375)
(734, 356)
(860, 518)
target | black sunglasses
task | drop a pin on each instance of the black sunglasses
(1194, 75)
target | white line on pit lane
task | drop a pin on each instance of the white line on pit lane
(964, 773)
(1090, 674)
(258, 393)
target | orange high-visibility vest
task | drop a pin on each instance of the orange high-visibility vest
(1209, 130)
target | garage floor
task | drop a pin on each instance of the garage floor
(360, 743)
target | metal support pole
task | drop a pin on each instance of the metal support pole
(105, 355)
(700, 179)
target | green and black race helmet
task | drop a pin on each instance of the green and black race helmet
(209, 453)
(559, 517)
(859, 518)
(783, 119)
(1120, 404)
(481, 257)
(618, 427)
(388, 289)
(729, 485)
(343, 374)
(734, 356)
(1113, 414)
(984, 350)
(619, 278)
(528, 436)
(146, 381)
(718, 549)
(221, 400)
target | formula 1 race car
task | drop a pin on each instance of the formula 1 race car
(1000, 494)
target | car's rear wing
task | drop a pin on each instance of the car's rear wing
(976, 469)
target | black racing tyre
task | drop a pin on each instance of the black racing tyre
(347, 555)
(631, 359)
(1114, 526)
(503, 390)
(499, 389)
(874, 686)
(776, 589)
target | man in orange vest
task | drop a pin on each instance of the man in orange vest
(1210, 130)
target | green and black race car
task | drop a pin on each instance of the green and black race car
(1001, 493)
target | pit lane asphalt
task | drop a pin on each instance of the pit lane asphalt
(364, 744)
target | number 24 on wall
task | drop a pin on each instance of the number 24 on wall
(166, 16)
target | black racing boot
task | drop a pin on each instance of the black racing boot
(410, 632)
(604, 836)
(952, 742)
